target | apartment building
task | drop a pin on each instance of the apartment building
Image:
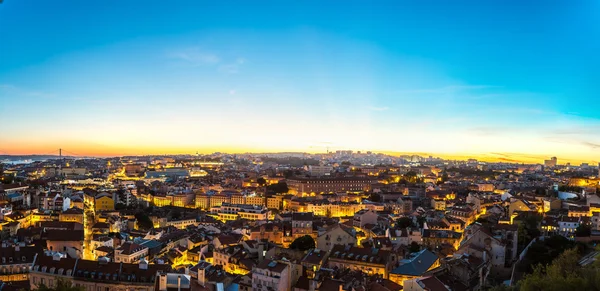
(308, 186)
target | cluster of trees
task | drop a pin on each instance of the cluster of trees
(303, 243)
(144, 221)
(411, 177)
(567, 188)
(279, 188)
(543, 252)
(564, 273)
(528, 229)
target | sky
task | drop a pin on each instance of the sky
(495, 80)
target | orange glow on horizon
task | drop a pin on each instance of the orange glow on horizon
(94, 150)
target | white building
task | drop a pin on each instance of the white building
(337, 234)
(271, 275)
(568, 225)
(318, 171)
(130, 252)
(228, 211)
(365, 217)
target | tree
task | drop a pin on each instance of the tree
(414, 247)
(176, 214)
(279, 188)
(404, 222)
(261, 181)
(61, 285)
(144, 222)
(375, 197)
(563, 274)
(583, 230)
(303, 243)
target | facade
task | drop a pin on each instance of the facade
(16, 262)
(94, 275)
(308, 186)
(336, 235)
(104, 202)
(363, 217)
(334, 209)
(71, 215)
(367, 260)
(302, 224)
(413, 266)
(130, 253)
(181, 223)
(66, 241)
(568, 225)
(227, 211)
(499, 245)
(319, 171)
(271, 275)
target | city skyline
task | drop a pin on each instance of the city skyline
(490, 80)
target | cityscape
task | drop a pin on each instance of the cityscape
(302, 146)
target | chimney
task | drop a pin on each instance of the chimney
(261, 251)
(143, 264)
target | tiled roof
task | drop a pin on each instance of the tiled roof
(64, 235)
(418, 264)
(129, 248)
(273, 266)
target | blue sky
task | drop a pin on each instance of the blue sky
(511, 80)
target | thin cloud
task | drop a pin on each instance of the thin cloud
(449, 89)
(15, 90)
(229, 69)
(373, 108)
(591, 144)
(196, 57)
(232, 68)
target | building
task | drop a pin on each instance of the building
(130, 252)
(274, 232)
(369, 261)
(302, 224)
(104, 202)
(413, 266)
(363, 217)
(551, 163)
(334, 209)
(181, 223)
(310, 186)
(568, 225)
(65, 241)
(94, 275)
(336, 235)
(579, 211)
(463, 212)
(427, 283)
(319, 171)
(227, 211)
(71, 215)
(271, 275)
(498, 245)
(16, 262)
(521, 205)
